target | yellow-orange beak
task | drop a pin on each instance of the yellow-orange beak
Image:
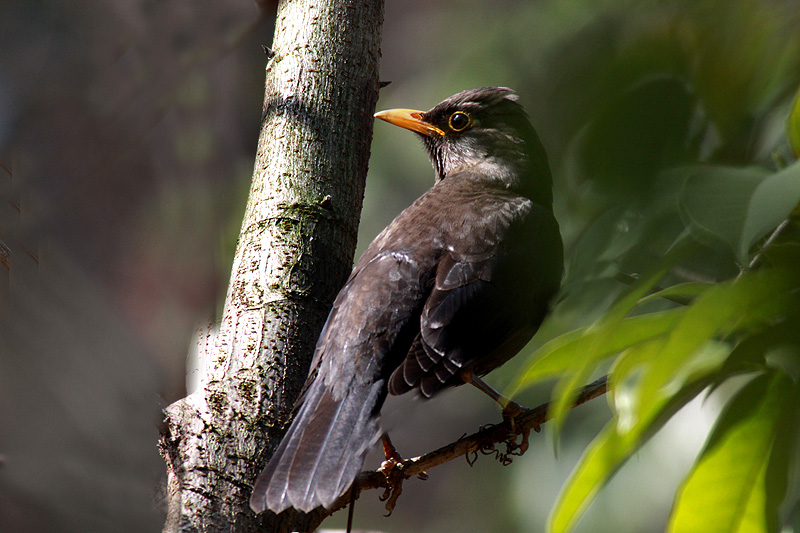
(409, 119)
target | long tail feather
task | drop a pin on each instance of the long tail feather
(323, 450)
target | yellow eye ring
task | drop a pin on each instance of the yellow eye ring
(459, 121)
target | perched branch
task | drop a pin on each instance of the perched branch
(483, 440)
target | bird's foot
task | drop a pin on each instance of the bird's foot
(394, 459)
(390, 496)
(393, 470)
(512, 448)
(511, 411)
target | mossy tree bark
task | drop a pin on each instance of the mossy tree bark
(295, 251)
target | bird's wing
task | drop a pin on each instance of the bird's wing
(372, 322)
(488, 297)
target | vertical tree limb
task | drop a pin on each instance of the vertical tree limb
(294, 252)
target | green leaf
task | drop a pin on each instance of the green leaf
(793, 125)
(574, 354)
(639, 370)
(772, 202)
(721, 310)
(610, 335)
(715, 201)
(680, 291)
(607, 329)
(656, 376)
(560, 354)
(740, 480)
(608, 237)
(605, 455)
(600, 460)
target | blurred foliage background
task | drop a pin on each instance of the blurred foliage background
(127, 136)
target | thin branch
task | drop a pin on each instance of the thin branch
(771, 239)
(483, 440)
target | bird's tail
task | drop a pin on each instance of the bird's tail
(323, 451)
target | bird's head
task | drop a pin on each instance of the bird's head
(484, 125)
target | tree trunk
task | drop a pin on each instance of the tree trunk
(295, 251)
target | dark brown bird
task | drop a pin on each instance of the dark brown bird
(456, 285)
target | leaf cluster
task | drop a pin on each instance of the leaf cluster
(721, 302)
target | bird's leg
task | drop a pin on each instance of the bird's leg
(389, 451)
(511, 409)
(393, 458)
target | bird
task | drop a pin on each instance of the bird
(452, 288)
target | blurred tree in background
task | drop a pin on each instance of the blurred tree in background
(130, 129)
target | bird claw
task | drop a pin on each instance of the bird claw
(389, 465)
(512, 409)
(522, 447)
(392, 469)
(390, 496)
(510, 413)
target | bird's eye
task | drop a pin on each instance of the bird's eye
(459, 121)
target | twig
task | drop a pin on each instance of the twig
(351, 510)
(757, 258)
(483, 439)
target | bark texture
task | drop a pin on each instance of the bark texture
(294, 252)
